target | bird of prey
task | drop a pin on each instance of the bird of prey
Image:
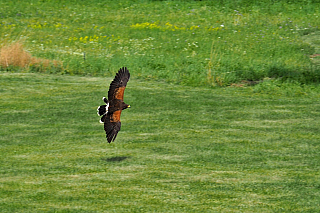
(114, 105)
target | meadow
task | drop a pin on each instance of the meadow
(224, 97)
(212, 43)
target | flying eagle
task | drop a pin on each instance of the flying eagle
(111, 111)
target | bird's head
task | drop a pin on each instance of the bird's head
(126, 106)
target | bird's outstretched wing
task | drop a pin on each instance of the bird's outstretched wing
(119, 84)
(112, 125)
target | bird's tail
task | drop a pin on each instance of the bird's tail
(103, 110)
(102, 119)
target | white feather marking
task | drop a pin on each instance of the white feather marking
(106, 106)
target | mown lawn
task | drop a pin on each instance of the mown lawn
(181, 149)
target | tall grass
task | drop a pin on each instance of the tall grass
(170, 40)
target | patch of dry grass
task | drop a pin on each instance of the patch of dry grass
(14, 55)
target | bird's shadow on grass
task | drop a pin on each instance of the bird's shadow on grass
(115, 159)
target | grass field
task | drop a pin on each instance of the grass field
(186, 42)
(197, 137)
(181, 149)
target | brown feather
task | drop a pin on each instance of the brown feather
(119, 93)
(115, 117)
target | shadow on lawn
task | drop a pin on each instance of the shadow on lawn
(115, 159)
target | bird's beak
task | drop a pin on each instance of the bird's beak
(129, 106)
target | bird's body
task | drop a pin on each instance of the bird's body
(111, 111)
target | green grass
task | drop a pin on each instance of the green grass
(186, 42)
(186, 145)
(181, 149)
